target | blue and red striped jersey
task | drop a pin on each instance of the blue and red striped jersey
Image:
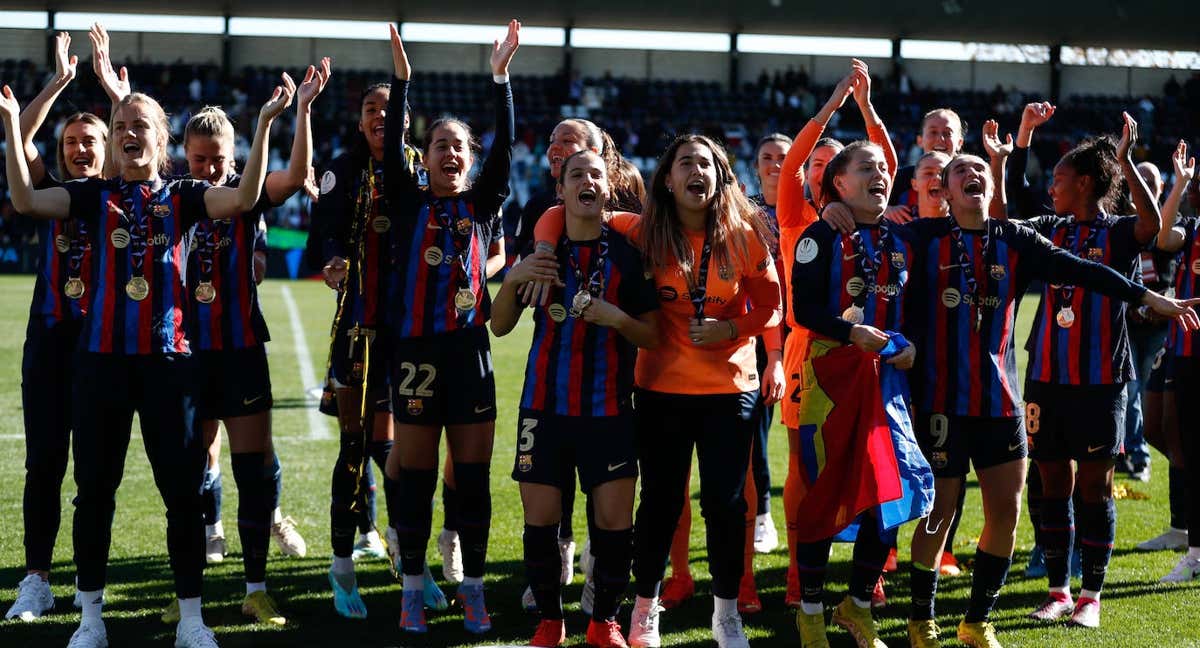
(138, 233)
(65, 253)
(1187, 285)
(225, 312)
(581, 369)
(965, 337)
(439, 245)
(829, 282)
(1094, 349)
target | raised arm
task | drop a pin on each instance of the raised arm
(34, 115)
(282, 184)
(493, 179)
(226, 202)
(1170, 238)
(876, 132)
(790, 207)
(397, 174)
(115, 84)
(54, 202)
(1017, 190)
(1149, 220)
(998, 153)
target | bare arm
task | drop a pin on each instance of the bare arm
(115, 84)
(54, 202)
(1149, 220)
(998, 153)
(1169, 238)
(282, 184)
(36, 111)
(496, 259)
(226, 202)
(507, 305)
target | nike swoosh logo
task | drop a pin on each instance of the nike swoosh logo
(1013, 448)
(848, 257)
(248, 401)
(948, 267)
(432, 225)
(612, 467)
(1098, 448)
(481, 410)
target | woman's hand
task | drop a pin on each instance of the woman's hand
(334, 272)
(1185, 167)
(9, 108)
(313, 83)
(65, 64)
(991, 141)
(904, 360)
(710, 331)
(1180, 310)
(399, 57)
(868, 338)
(773, 382)
(603, 313)
(1129, 136)
(280, 99)
(502, 51)
(115, 85)
(838, 216)
(861, 77)
(541, 266)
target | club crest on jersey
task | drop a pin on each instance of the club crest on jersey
(525, 462)
(806, 250)
(951, 298)
(328, 182)
(998, 272)
(940, 458)
(160, 210)
(898, 260)
(415, 406)
(724, 273)
(1095, 254)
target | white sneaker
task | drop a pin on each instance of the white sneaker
(566, 551)
(451, 550)
(1172, 539)
(369, 545)
(1186, 570)
(727, 631)
(214, 544)
(587, 597)
(33, 599)
(586, 561)
(89, 635)
(528, 603)
(288, 539)
(643, 623)
(766, 538)
(192, 633)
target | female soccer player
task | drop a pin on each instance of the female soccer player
(55, 315)
(229, 331)
(134, 341)
(927, 185)
(576, 408)
(972, 271)
(440, 352)
(1079, 362)
(1182, 345)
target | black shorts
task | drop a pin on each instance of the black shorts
(602, 448)
(952, 444)
(347, 363)
(1161, 378)
(232, 383)
(444, 379)
(1082, 422)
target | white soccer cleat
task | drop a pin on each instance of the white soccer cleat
(192, 633)
(766, 538)
(89, 635)
(643, 624)
(1171, 540)
(727, 631)
(33, 599)
(1186, 570)
(214, 544)
(288, 539)
(451, 550)
(369, 545)
(566, 551)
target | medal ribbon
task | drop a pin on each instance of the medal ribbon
(967, 268)
(210, 241)
(869, 264)
(698, 285)
(77, 232)
(134, 219)
(1065, 293)
(460, 243)
(595, 270)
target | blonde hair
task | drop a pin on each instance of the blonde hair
(210, 121)
(158, 121)
(661, 235)
(86, 118)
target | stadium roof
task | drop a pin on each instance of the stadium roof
(1151, 24)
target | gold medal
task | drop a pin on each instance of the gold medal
(137, 289)
(62, 243)
(119, 238)
(580, 303)
(1065, 317)
(464, 300)
(855, 286)
(558, 312)
(74, 288)
(854, 315)
(434, 255)
(381, 224)
(205, 292)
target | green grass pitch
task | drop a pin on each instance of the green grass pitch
(1138, 611)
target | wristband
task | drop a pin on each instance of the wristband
(500, 78)
(544, 246)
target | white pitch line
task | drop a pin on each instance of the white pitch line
(317, 427)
